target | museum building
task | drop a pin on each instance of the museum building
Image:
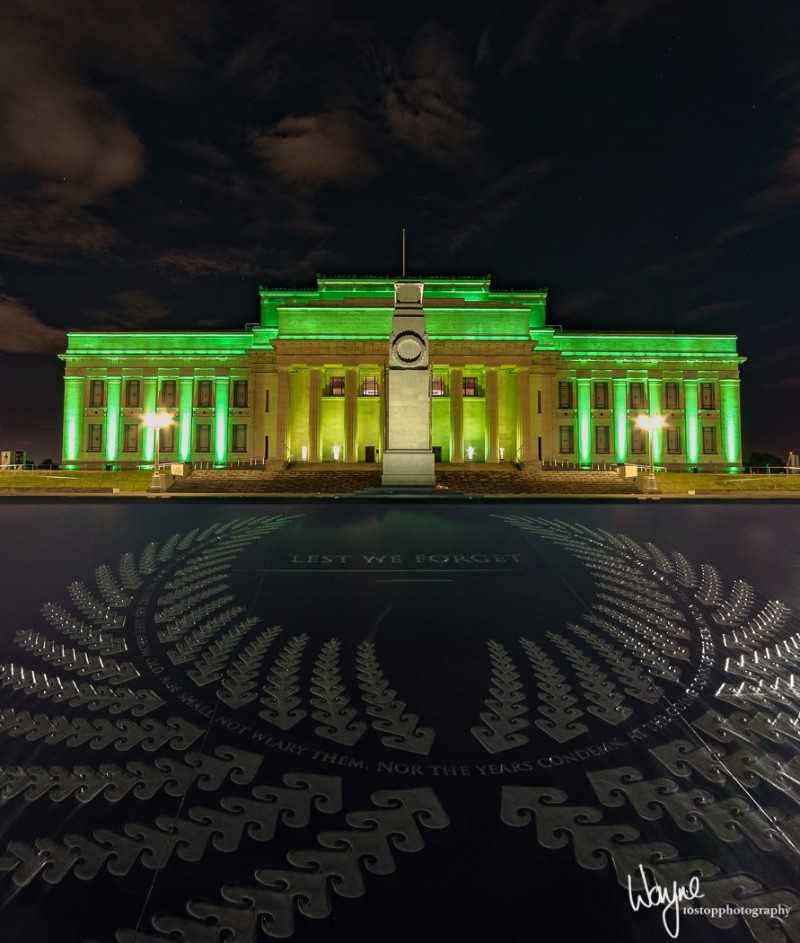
(307, 383)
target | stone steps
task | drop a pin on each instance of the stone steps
(348, 479)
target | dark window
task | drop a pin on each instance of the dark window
(133, 394)
(204, 392)
(95, 437)
(469, 386)
(239, 394)
(673, 440)
(203, 437)
(337, 386)
(707, 397)
(166, 440)
(131, 436)
(266, 401)
(637, 396)
(239, 443)
(167, 393)
(709, 440)
(437, 386)
(565, 396)
(601, 440)
(566, 440)
(97, 393)
(369, 386)
(671, 399)
(601, 396)
(637, 441)
(538, 401)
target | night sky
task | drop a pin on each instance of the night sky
(162, 158)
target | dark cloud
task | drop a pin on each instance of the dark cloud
(23, 333)
(51, 232)
(429, 100)
(570, 27)
(201, 263)
(131, 310)
(311, 150)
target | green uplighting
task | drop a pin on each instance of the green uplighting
(620, 419)
(222, 385)
(112, 418)
(584, 421)
(692, 424)
(729, 417)
(73, 410)
(657, 435)
(185, 419)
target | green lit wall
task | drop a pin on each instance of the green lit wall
(343, 324)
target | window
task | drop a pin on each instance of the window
(671, 400)
(166, 438)
(133, 394)
(673, 440)
(637, 396)
(95, 443)
(369, 386)
(706, 395)
(337, 386)
(601, 440)
(266, 401)
(131, 436)
(239, 394)
(167, 393)
(97, 393)
(709, 440)
(637, 441)
(564, 396)
(437, 386)
(204, 392)
(202, 437)
(566, 440)
(239, 443)
(469, 386)
(539, 401)
(601, 396)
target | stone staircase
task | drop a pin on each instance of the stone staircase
(349, 479)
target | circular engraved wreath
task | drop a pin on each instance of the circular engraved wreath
(408, 347)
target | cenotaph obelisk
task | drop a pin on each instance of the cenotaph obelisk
(407, 455)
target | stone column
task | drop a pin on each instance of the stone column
(221, 409)
(619, 388)
(350, 413)
(456, 417)
(314, 409)
(730, 422)
(691, 421)
(185, 418)
(113, 399)
(282, 447)
(492, 454)
(584, 411)
(73, 418)
(654, 409)
(524, 453)
(149, 400)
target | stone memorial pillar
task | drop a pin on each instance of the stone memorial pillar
(408, 457)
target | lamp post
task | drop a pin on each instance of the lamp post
(157, 422)
(652, 424)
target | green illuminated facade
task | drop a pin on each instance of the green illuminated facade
(307, 384)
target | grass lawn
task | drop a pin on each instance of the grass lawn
(682, 482)
(59, 480)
